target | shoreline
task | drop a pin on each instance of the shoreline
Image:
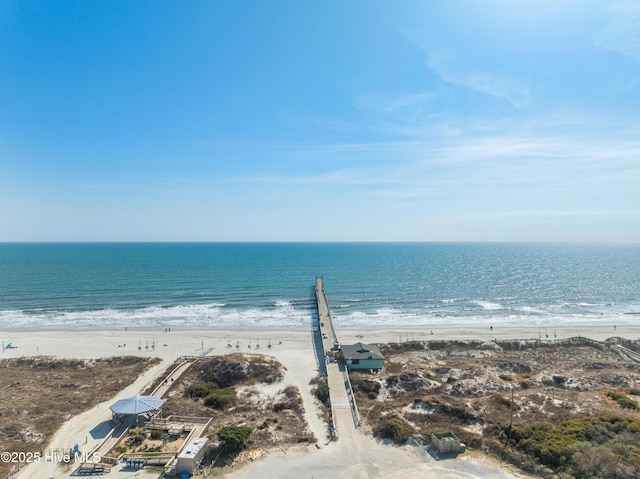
(308, 324)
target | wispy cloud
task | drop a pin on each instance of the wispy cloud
(445, 66)
(399, 104)
(622, 30)
(551, 213)
(492, 164)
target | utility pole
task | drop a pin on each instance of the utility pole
(511, 412)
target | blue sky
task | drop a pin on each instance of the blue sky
(237, 120)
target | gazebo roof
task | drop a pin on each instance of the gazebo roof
(137, 405)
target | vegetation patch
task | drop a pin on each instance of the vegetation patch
(291, 400)
(608, 442)
(236, 392)
(220, 398)
(321, 392)
(201, 390)
(367, 386)
(234, 369)
(395, 429)
(623, 400)
(561, 409)
(234, 438)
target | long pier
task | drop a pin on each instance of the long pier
(344, 412)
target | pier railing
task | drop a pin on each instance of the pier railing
(352, 400)
(330, 318)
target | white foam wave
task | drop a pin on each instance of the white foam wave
(214, 315)
(529, 310)
(488, 305)
(284, 314)
(389, 318)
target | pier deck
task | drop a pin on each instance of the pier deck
(343, 407)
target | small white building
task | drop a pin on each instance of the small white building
(446, 442)
(191, 456)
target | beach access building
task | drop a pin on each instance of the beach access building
(362, 356)
(191, 456)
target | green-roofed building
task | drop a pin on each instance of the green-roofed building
(362, 356)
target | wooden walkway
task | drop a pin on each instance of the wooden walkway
(163, 388)
(344, 411)
(116, 435)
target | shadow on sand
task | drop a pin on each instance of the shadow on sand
(317, 338)
(101, 430)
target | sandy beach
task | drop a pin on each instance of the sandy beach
(85, 343)
(293, 348)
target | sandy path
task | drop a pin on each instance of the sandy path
(365, 459)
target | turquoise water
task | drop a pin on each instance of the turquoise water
(249, 285)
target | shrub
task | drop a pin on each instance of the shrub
(624, 401)
(234, 437)
(395, 429)
(559, 381)
(201, 390)
(367, 386)
(220, 398)
(281, 406)
(598, 461)
(156, 434)
(501, 401)
(322, 393)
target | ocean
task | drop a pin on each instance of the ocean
(271, 285)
